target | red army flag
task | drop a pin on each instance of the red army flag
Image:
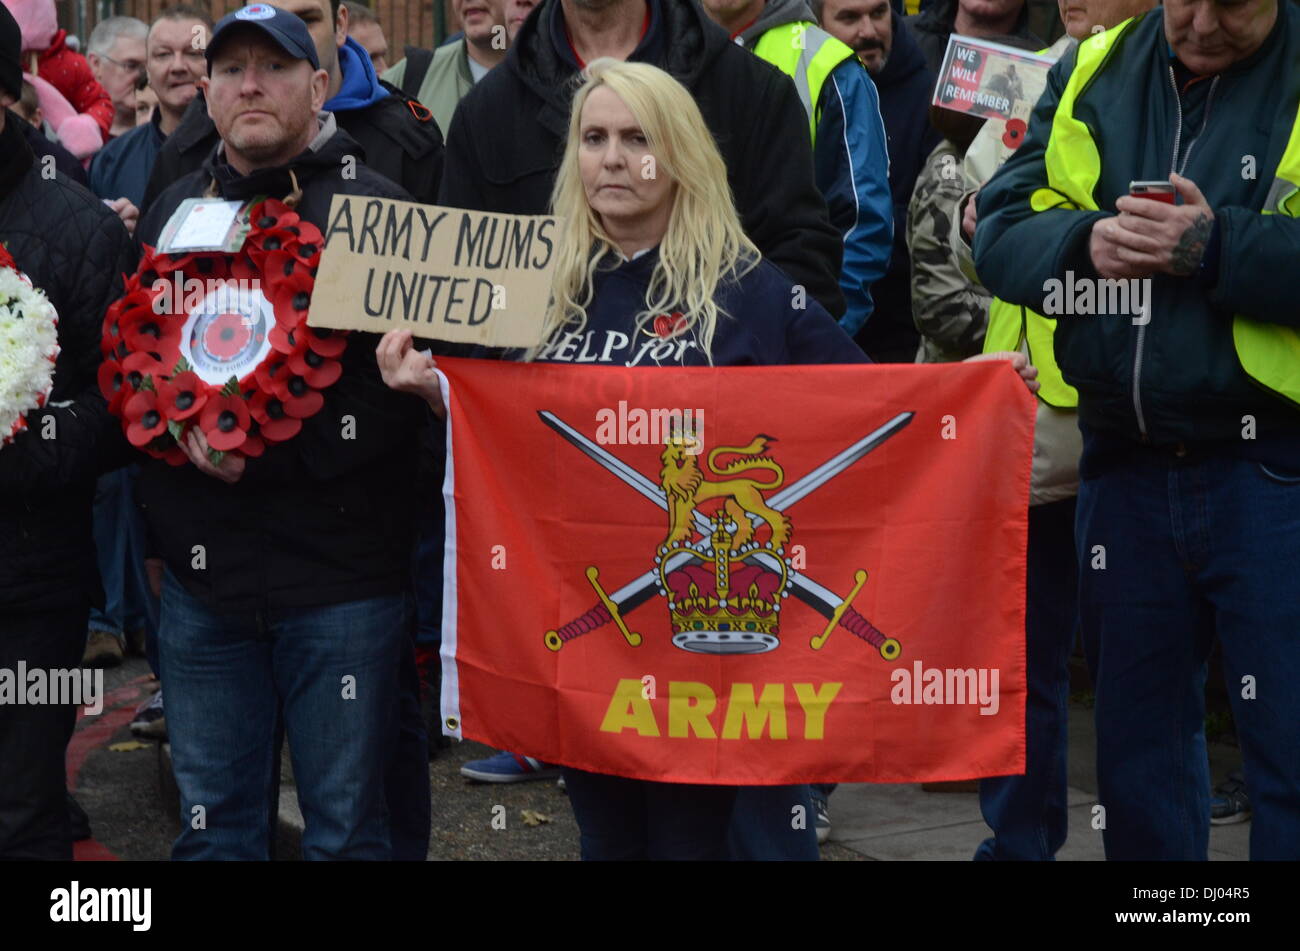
(748, 575)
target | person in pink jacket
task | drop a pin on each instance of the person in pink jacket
(45, 54)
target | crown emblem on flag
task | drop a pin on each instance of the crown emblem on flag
(725, 588)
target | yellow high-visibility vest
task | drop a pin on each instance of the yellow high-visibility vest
(807, 54)
(1269, 353)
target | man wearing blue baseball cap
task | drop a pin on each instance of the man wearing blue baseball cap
(305, 581)
(397, 135)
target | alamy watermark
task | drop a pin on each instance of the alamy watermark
(635, 426)
(35, 686)
(1098, 297)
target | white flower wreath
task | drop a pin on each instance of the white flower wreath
(29, 346)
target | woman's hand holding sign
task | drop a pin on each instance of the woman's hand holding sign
(408, 370)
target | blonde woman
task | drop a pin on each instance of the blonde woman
(653, 269)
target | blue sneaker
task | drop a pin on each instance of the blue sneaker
(1231, 802)
(508, 768)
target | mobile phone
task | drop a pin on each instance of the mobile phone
(1156, 191)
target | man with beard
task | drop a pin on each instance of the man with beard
(306, 580)
(397, 136)
(888, 49)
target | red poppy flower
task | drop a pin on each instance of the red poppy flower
(112, 383)
(139, 365)
(244, 268)
(669, 325)
(292, 295)
(274, 424)
(183, 395)
(269, 372)
(287, 336)
(143, 330)
(282, 265)
(254, 445)
(272, 214)
(299, 399)
(224, 422)
(6, 259)
(1014, 133)
(144, 417)
(326, 342)
(318, 371)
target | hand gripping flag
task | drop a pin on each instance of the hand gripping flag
(744, 575)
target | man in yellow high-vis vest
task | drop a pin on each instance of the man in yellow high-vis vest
(1177, 327)
(850, 154)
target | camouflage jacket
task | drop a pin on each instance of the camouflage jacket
(950, 311)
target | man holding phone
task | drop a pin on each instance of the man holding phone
(1189, 498)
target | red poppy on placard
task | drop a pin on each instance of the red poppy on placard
(183, 395)
(273, 422)
(112, 383)
(1014, 133)
(144, 417)
(318, 371)
(224, 421)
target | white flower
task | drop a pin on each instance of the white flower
(29, 345)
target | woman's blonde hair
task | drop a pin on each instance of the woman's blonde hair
(704, 244)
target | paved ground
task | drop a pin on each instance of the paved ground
(131, 803)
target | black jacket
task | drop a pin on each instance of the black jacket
(508, 135)
(322, 518)
(75, 250)
(398, 140)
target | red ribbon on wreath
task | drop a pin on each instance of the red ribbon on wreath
(221, 342)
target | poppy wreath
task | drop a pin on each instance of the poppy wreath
(148, 380)
(29, 347)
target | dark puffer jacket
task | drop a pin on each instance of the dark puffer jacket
(75, 250)
(325, 517)
(507, 136)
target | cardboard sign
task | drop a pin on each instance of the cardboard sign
(990, 80)
(442, 273)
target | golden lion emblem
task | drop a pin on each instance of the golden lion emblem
(686, 486)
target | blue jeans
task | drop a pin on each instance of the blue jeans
(766, 826)
(1028, 813)
(327, 676)
(623, 819)
(1195, 547)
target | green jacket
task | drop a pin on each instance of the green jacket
(1178, 378)
(447, 80)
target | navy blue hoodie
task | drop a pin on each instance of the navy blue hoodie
(763, 326)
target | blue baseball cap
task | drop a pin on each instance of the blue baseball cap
(286, 30)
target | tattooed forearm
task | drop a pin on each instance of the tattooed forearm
(1186, 255)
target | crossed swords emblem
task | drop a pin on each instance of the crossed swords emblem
(838, 611)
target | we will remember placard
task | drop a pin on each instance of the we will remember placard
(443, 273)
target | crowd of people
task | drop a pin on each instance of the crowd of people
(795, 149)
